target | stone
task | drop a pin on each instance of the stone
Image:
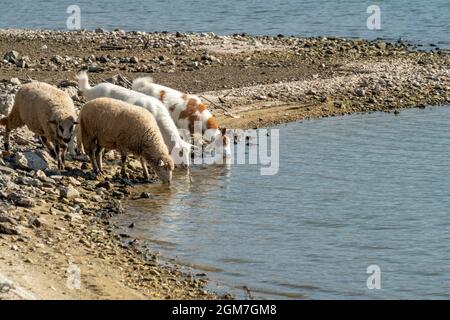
(381, 45)
(68, 83)
(7, 170)
(134, 60)
(72, 92)
(33, 160)
(146, 195)
(360, 92)
(15, 81)
(24, 62)
(6, 219)
(34, 222)
(74, 181)
(69, 193)
(105, 184)
(8, 230)
(57, 60)
(43, 177)
(21, 200)
(11, 56)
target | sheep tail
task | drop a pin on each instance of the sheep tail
(141, 83)
(83, 81)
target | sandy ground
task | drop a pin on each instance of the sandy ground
(249, 82)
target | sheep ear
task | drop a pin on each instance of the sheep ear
(52, 122)
(76, 122)
(161, 163)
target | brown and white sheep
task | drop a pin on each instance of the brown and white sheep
(113, 124)
(46, 111)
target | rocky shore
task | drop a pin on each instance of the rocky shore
(51, 220)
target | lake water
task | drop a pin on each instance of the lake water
(413, 20)
(351, 192)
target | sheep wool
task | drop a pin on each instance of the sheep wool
(114, 124)
(46, 111)
(169, 130)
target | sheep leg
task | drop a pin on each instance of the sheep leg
(145, 169)
(11, 122)
(50, 148)
(7, 139)
(94, 161)
(99, 160)
(58, 157)
(63, 156)
(123, 170)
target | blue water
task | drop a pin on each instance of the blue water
(414, 20)
(351, 192)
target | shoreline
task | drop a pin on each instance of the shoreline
(51, 220)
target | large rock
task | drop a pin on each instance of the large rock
(11, 56)
(21, 200)
(33, 160)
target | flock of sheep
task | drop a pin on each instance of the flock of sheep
(145, 121)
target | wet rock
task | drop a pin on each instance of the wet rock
(33, 160)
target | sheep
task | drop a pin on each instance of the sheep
(46, 111)
(187, 110)
(167, 126)
(117, 125)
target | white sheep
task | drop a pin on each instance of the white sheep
(46, 111)
(117, 125)
(168, 128)
(187, 111)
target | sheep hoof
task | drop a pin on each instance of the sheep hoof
(97, 173)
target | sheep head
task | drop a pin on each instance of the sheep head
(63, 129)
(163, 169)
